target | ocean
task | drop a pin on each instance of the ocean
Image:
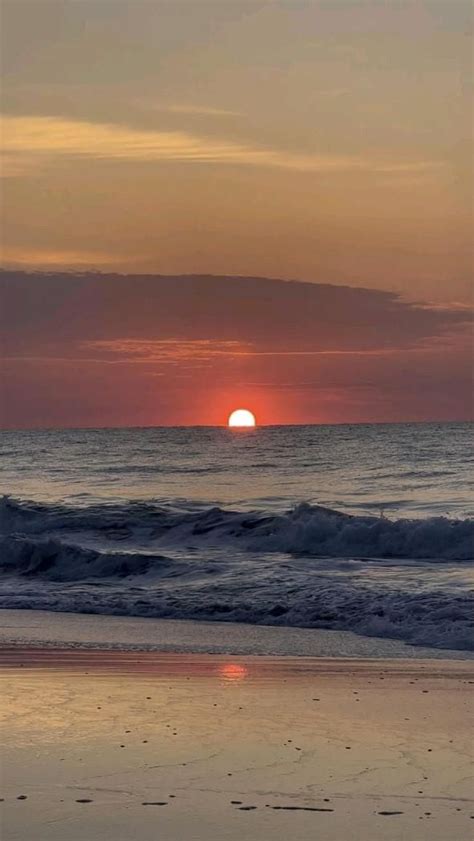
(362, 528)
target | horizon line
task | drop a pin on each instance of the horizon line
(237, 429)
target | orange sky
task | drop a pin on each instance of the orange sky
(324, 142)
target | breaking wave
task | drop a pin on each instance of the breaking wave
(307, 567)
(308, 529)
(56, 561)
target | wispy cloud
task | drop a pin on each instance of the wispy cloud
(192, 354)
(47, 138)
(205, 110)
(13, 257)
(178, 350)
(169, 351)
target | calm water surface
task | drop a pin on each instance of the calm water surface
(407, 469)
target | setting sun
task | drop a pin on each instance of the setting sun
(241, 417)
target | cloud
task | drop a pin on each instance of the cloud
(177, 350)
(205, 110)
(44, 258)
(238, 316)
(168, 351)
(47, 138)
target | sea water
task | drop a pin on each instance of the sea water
(366, 528)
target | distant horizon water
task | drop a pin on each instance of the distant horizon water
(224, 425)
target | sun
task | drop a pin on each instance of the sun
(242, 417)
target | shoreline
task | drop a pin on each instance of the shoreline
(38, 628)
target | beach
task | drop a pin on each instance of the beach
(109, 744)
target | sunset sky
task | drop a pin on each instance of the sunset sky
(246, 144)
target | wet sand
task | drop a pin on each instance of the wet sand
(181, 747)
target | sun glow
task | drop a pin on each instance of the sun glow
(241, 417)
(233, 672)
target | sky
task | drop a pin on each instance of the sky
(214, 204)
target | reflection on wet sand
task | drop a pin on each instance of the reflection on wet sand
(103, 745)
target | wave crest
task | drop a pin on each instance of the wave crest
(305, 529)
(57, 561)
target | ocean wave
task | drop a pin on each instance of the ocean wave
(305, 529)
(56, 561)
(49, 575)
(307, 567)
